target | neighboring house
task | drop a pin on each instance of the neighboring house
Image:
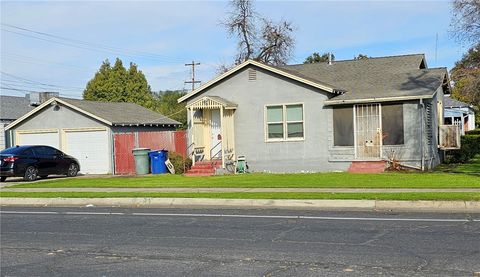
(321, 117)
(11, 108)
(85, 129)
(458, 113)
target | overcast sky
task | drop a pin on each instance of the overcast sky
(73, 38)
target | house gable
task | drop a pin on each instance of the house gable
(254, 64)
(57, 116)
(51, 103)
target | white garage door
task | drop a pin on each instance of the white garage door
(50, 139)
(91, 149)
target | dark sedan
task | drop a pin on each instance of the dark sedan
(33, 161)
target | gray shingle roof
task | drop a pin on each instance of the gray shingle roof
(374, 78)
(13, 107)
(225, 102)
(121, 113)
(452, 103)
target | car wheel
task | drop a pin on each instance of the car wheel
(3, 178)
(31, 174)
(72, 170)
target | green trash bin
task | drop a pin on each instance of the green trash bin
(142, 162)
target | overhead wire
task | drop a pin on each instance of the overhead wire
(83, 45)
(86, 45)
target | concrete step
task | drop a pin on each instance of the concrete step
(207, 171)
(197, 174)
(367, 167)
(206, 166)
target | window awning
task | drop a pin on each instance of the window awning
(212, 102)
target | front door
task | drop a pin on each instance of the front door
(368, 131)
(215, 135)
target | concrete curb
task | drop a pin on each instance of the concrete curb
(369, 205)
(328, 190)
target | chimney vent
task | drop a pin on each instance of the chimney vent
(37, 98)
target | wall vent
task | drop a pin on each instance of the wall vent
(252, 74)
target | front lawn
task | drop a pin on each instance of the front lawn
(463, 196)
(472, 167)
(259, 180)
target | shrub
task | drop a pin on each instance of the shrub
(179, 163)
(470, 146)
(473, 132)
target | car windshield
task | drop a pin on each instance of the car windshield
(14, 150)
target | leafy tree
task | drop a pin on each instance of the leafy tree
(361, 57)
(466, 20)
(466, 77)
(166, 104)
(317, 58)
(259, 38)
(117, 84)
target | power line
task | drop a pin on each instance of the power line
(36, 82)
(86, 45)
(32, 60)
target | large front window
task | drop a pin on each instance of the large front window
(284, 122)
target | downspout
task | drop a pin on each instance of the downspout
(422, 129)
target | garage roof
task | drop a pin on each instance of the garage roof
(110, 113)
(13, 107)
(122, 113)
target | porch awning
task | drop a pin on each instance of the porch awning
(453, 113)
(212, 102)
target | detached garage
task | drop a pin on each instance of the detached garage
(85, 129)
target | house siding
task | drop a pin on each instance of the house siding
(65, 117)
(3, 134)
(408, 153)
(434, 158)
(308, 155)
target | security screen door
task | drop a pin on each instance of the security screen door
(368, 131)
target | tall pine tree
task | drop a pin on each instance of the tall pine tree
(116, 84)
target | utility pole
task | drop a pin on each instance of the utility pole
(193, 82)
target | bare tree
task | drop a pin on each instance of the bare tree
(259, 39)
(466, 20)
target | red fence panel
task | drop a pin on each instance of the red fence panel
(124, 161)
(180, 139)
(173, 141)
(156, 140)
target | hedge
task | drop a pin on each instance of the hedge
(470, 146)
(473, 132)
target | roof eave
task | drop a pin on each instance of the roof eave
(377, 99)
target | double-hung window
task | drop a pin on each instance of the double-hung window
(284, 122)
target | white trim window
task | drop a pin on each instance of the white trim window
(284, 122)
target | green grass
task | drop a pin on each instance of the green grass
(316, 180)
(254, 195)
(472, 167)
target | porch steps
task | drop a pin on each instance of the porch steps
(367, 167)
(204, 168)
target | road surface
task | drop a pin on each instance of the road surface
(93, 241)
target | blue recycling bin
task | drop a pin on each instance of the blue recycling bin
(157, 161)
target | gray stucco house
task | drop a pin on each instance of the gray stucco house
(459, 113)
(11, 108)
(353, 114)
(85, 129)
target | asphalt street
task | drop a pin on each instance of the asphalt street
(93, 241)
